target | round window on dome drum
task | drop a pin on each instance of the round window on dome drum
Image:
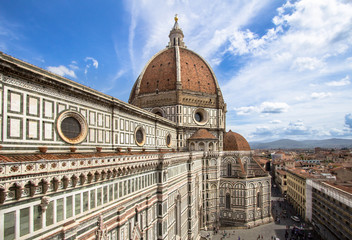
(200, 116)
(72, 127)
(139, 136)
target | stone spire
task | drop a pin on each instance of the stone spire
(176, 35)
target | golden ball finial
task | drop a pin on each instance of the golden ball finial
(176, 18)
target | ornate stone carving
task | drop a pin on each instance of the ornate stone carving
(44, 203)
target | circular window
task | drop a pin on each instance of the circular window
(200, 116)
(158, 111)
(168, 140)
(139, 136)
(72, 127)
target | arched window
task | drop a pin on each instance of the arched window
(259, 202)
(178, 216)
(228, 201)
(201, 146)
(192, 147)
(211, 147)
(229, 169)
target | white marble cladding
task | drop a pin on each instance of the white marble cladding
(184, 115)
(30, 113)
(124, 193)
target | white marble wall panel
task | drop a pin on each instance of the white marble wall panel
(48, 109)
(48, 131)
(32, 129)
(15, 102)
(31, 111)
(15, 128)
(33, 106)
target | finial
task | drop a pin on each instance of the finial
(176, 18)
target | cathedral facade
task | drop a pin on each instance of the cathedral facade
(78, 164)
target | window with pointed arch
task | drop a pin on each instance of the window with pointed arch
(229, 169)
(228, 201)
(259, 202)
(178, 216)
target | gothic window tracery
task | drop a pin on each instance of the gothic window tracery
(229, 169)
(228, 201)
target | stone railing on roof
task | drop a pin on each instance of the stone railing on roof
(9, 169)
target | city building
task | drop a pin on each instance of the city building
(277, 156)
(78, 164)
(281, 181)
(296, 190)
(330, 209)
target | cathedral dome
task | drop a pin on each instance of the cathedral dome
(174, 75)
(164, 72)
(235, 142)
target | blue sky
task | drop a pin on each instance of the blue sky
(284, 67)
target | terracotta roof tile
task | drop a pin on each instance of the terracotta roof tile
(202, 134)
(235, 142)
(195, 74)
(160, 73)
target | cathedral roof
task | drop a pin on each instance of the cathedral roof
(202, 134)
(235, 142)
(161, 73)
(175, 68)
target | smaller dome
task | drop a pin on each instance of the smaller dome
(202, 134)
(235, 142)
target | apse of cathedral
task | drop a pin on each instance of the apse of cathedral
(78, 164)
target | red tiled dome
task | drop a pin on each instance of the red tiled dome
(235, 142)
(176, 76)
(202, 134)
(161, 74)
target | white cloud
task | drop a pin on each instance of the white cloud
(62, 71)
(207, 25)
(246, 110)
(265, 107)
(275, 121)
(73, 65)
(264, 131)
(343, 82)
(307, 63)
(274, 107)
(320, 95)
(307, 46)
(297, 128)
(95, 62)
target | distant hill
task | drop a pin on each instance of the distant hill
(289, 144)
